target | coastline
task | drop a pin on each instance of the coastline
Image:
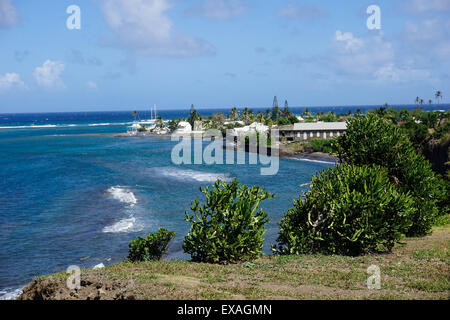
(316, 156)
(282, 152)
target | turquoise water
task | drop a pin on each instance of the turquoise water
(70, 198)
(70, 195)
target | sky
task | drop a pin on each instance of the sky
(131, 54)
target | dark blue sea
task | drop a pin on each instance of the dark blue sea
(71, 193)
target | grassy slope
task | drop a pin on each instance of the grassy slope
(417, 269)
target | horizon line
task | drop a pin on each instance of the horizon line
(239, 108)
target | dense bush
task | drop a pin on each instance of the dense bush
(374, 140)
(349, 210)
(152, 247)
(444, 199)
(228, 227)
(320, 145)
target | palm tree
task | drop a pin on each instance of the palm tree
(234, 113)
(381, 111)
(134, 113)
(160, 122)
(358, 112)
(251, 116)
(438, 95)
(421, 101)
(260, 117)
(430, 102)
(244, 115)
(417, 100)
(276, 113)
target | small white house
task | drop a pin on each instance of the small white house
(183, 127)
(234, 122)
(254, 127)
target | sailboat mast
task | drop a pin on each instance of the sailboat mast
(155, 110)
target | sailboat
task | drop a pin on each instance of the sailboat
(148, 124)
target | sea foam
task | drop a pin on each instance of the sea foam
(124, 225)
(192, 175)
(123, 194)
(10, 294)
(312, 160)
(128, 224)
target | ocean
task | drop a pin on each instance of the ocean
(71, 193)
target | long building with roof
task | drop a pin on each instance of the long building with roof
(306, 131)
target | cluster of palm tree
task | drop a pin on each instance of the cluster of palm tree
(437, 96)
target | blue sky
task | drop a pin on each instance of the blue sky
(130, 54)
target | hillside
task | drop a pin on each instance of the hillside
(417, 269)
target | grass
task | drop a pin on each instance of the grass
(416, 269)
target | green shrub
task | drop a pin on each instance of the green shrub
(444, 199)
(374, 140)
(319, 145)
(228, 227)
(152, 247)
(349, 210)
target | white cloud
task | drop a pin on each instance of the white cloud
(8, 14)
(347, 42)
(426, 30)
(49, 75)
(92, 85)
(372, 58)
(9, 81)
(143, 26)
(392, 73)
(294, 11)
(217, 9)
(353, 55)
(429, 38)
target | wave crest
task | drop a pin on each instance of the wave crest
(123, 194)
(188, 174)
(124, 225)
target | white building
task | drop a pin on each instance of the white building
(234, 122)
(254, 127)
(183, 127)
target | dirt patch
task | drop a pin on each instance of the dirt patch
(92, 287)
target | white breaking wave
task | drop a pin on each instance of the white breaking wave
(32, 126)
(124, 195)
(312, 160)
(192, 175)
(124, 225)
(10, 294)
(109, 124)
